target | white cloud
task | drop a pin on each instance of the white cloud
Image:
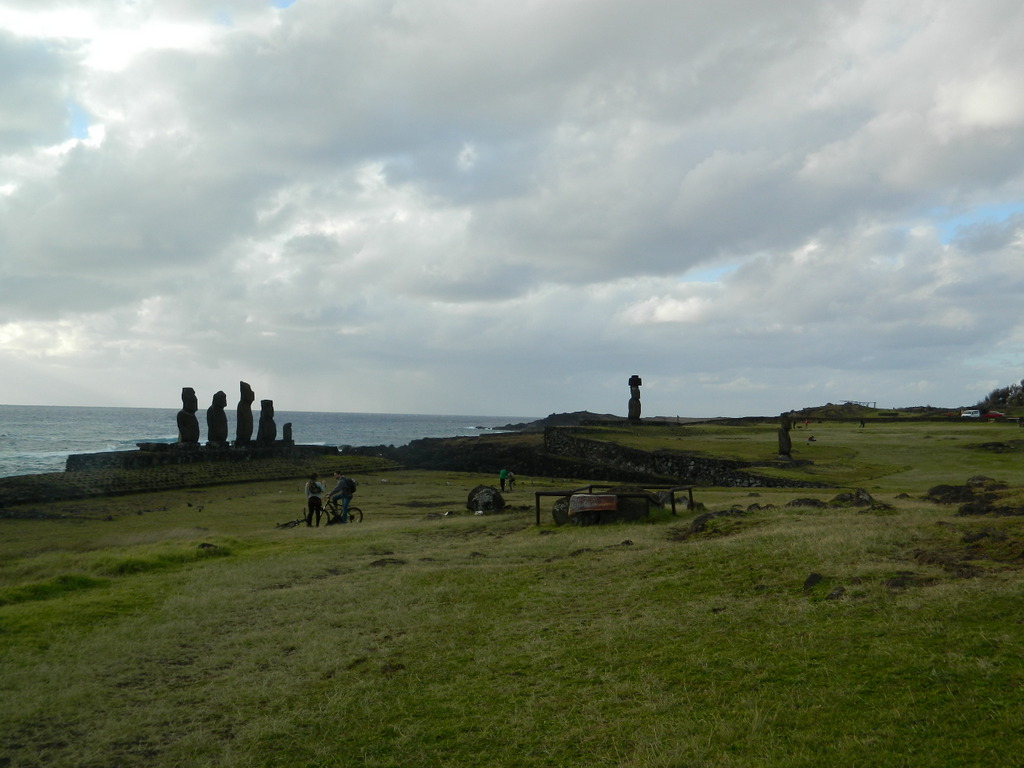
(509, 209)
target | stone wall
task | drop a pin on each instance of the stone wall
(670, 465)
(169, 454)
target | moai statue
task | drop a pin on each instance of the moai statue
(286, 434)
(267, 432)
(634, 398)
(785, 441)
(217, 421)
(188, 424)
(243, 427)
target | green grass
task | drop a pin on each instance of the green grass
(907, 456)
(182, 628)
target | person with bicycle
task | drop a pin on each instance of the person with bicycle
(343, 490)
(314, 500)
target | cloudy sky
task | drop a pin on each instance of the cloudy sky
(496, 208)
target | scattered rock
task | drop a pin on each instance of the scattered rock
(984, 533)
(949, 494)
(485, 498)
(986, 483)
(700, 522)
(978, 507)
(815, 503)
(859, 498)
(812, 581)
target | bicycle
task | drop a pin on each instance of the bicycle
(333, 512)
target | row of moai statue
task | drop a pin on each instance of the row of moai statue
(217, 420)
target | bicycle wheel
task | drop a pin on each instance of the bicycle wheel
(355, 515)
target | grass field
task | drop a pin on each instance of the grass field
(885, 456)
(181, 628)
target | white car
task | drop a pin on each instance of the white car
(972, 414)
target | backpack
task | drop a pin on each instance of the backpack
(351, 485)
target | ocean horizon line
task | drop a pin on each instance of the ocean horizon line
(278, 409)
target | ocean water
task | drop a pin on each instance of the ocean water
(37, 439)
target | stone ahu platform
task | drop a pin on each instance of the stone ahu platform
(166, 454)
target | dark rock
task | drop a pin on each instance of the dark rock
(859, 498)
(815, 503)
(812, 581)
(700, 522)
(949, 494)
(485, 498)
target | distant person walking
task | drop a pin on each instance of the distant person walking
(511, 479)
(314, 500)
(503, 478)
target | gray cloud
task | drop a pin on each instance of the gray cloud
(508, 209)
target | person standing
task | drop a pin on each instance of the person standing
(314, 500)
(343, 490)
(502, 478)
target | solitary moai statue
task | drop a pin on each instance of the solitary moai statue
(243, 427)
(286, 434)
(267, 432)
(188, 424)
(785, 441)
(217, 421)
(634, 397)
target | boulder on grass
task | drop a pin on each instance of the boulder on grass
(485, 499)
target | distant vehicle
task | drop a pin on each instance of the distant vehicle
(993, 415)
(972, 414)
